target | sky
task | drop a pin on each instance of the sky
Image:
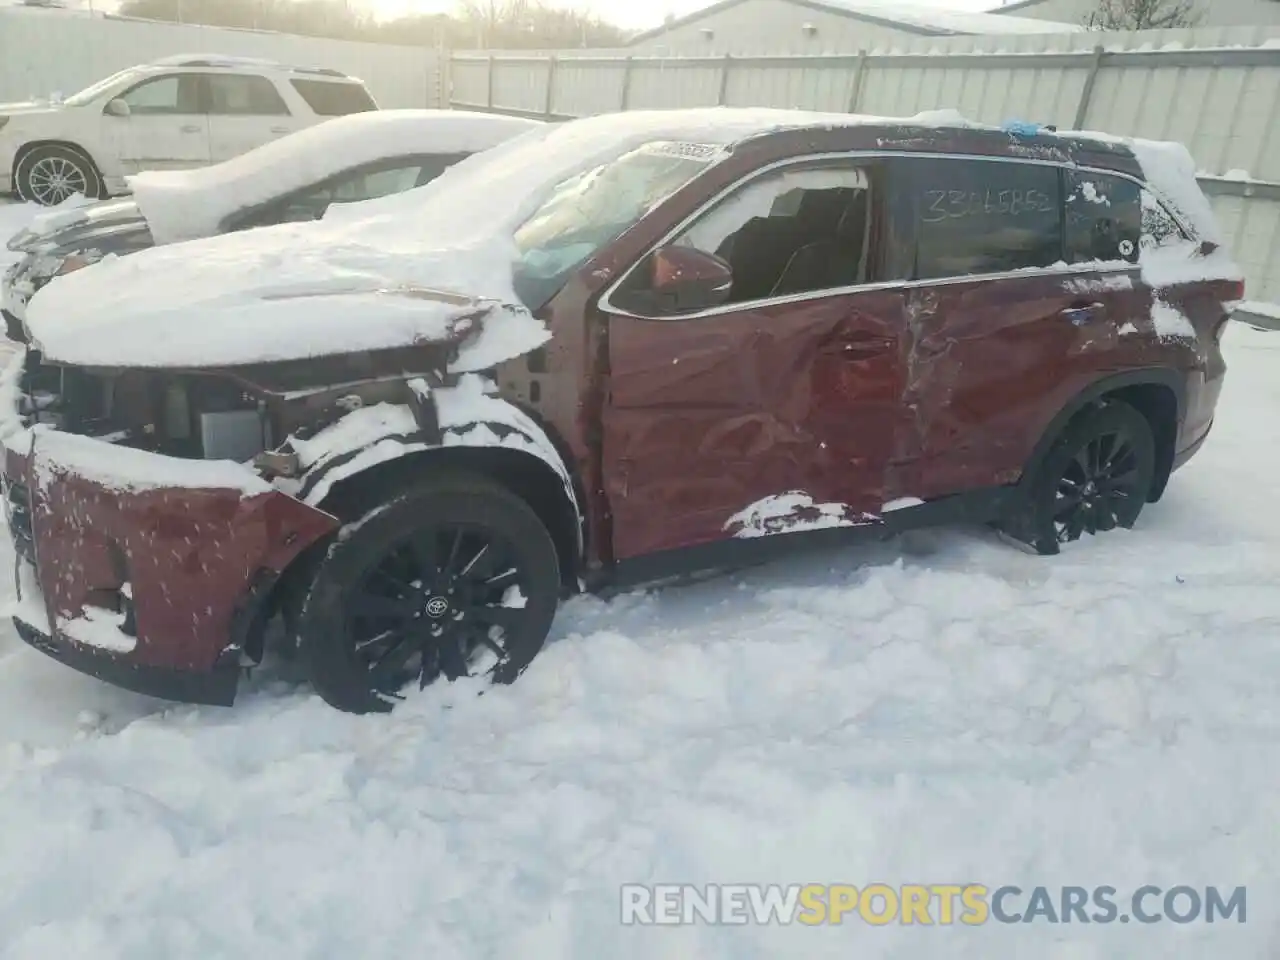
(630, 14)
(635, 13)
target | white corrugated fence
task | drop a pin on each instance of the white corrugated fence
(1218, 91)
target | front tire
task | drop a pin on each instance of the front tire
(1096, 478)
(51, 175)
(456, 576)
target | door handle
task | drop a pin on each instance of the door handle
(191, 128)
(1081, 313)
(279, 129)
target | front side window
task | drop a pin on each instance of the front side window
(790, 232)
(975, 217)
(177, 93)
(245, 96)
(365, 183)
(589, 210)
(375, 183)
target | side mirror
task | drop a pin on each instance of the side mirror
(682, 279)
(117, 108)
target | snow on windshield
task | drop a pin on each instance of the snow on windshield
(590, 209)
(186, 204)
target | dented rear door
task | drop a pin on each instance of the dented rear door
(1016, 305)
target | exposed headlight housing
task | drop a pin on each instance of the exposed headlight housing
(73, 263)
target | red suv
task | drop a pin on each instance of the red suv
(609, 351)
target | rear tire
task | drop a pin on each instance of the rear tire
(456, 576)
(1097, 477)
(50, 175)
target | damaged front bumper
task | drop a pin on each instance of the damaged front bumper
(153, 588)
(16, 289)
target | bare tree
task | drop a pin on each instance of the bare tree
(1143, 15)
(535, 23)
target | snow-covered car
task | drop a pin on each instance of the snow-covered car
(344, 160)
(609, 351)
(175, 113)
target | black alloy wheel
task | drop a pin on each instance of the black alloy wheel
(454, 577)
(436, 603)
(1100, 489)
(1096, 478)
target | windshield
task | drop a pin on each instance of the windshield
(590, 209)
(91, 93)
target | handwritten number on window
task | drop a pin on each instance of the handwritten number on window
(961, 205)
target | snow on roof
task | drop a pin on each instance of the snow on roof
(934, 19)
(185, 204)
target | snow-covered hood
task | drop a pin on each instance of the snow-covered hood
(292, 294)
(353, 281)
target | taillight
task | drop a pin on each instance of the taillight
(1235, 291)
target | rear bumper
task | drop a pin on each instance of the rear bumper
(1189, 450)
(153, 588)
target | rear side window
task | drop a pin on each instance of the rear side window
(975, 217)
(330, 99)
(1112, 218)
(175, 93)
(245, 96)
(1104, 217)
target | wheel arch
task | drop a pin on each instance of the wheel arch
(31, 146)
(1159, 394)
(523, 453)
(522, 473)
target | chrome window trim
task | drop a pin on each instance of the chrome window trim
(1065, 270)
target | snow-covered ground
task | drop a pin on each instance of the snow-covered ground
(941, 709)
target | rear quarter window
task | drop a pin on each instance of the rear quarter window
(333, 99)
(1112, 218)
(975, 217)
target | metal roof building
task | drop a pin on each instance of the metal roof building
(824, 26)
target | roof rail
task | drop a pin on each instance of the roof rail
(223, 60)
(322, 71)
